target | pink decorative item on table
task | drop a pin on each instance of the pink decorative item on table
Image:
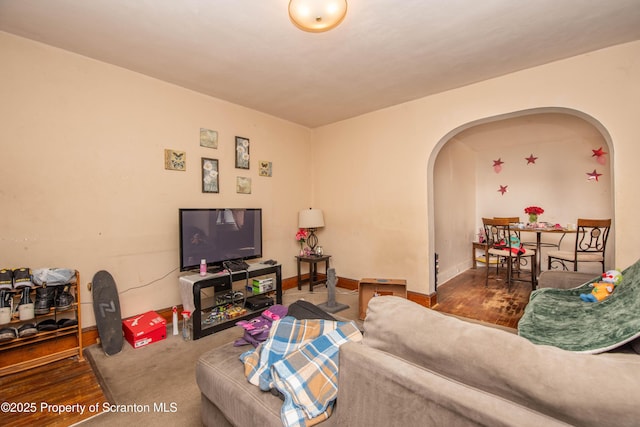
(301, 237)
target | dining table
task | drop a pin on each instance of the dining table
(539, 229)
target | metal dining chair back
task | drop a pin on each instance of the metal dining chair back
(500, 245)
(496, 230)
(511, 220)
(590, 245)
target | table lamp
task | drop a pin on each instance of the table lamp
(311, 219)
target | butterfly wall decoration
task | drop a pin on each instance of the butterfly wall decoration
(175, 160)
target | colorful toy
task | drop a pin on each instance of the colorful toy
(514, 245)
(601, 290)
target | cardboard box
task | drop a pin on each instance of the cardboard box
(370, 288)
(262, 286)
(144, 329)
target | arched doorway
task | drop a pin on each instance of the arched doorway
(463, 185)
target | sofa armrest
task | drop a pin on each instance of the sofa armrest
(564, 279)
(378, 388)
(220, 377)
(545, 379)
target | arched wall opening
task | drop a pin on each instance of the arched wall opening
(463, 185)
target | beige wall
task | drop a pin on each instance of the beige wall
(83, 183)
(454, 202)
(376, 170)
(83, 180)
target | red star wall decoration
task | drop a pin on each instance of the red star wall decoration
(531, 159)
(503, 189)
(600, 156)
(593, 176)
(497, 165)
(598, 152)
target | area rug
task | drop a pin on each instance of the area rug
(155, 384)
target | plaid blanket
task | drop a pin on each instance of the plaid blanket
(300, 359)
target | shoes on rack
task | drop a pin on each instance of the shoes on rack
(5, 306)
(65, 323)
(53, 276)
(5, 298)
(25, 307)
(8, 334)
(45, 299)
(64, 299)
(27, 330)
(22, 278)
(47, 325)
(6, 278)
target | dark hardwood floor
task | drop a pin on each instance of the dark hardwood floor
(69, 382)
(35, 397)
(465, 295)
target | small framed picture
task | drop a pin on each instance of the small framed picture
(208, 138)
(243, 185)
(175, 160)
(210, 176)
(265, 168)
(242, 152)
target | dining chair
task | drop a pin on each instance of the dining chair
(504, 245)
(514, 220)
(511, 219)
(590, 245)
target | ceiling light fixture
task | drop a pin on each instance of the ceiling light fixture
(317, 16)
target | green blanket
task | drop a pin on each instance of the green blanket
(558, 317)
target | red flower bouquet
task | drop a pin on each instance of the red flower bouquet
(534, 210)
(301, 236)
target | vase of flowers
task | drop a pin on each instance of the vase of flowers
(301, 237)
(533, 212)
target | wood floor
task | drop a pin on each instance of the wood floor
(69, 382)
(66, 382)
(466, 295)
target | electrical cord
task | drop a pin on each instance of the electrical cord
(140, 286)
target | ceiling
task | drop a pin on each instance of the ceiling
(384, 53)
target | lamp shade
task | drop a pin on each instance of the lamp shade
(310, 218)
(317, 15)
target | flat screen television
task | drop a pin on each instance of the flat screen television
(219, 235)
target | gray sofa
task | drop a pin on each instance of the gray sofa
(563, 279)
(416, 366)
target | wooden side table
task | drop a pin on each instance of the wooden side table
(474, 258)
(313, 269)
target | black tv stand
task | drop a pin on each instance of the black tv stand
(213, 292)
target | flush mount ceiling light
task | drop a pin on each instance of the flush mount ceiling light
(317, 16)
